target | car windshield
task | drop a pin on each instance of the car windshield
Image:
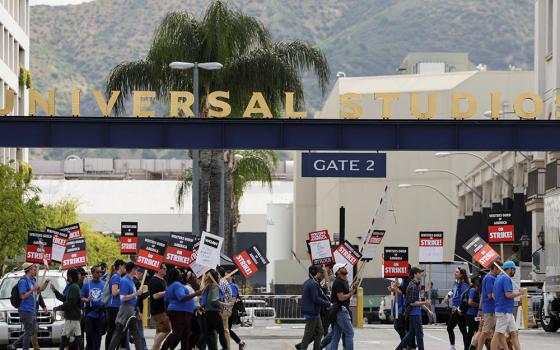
(9, 282)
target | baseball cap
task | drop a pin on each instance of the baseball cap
(509, 265)
(414, 270)
(337, 267)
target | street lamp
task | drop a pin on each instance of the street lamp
(446, 154)
(433, 188)
(424, 171)
(195, 171)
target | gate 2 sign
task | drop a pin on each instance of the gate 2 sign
(344, 165)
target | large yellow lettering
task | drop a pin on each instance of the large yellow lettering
(181, 102)
(519, 109)
(140, 101)
(36, 98)
(387, 98)
(290, 112)
(9, 104)
(257, 99)
(456, 99)
(106, 107)
(224, 108)
(558, 107)
(495, 98)
(346, 102)
(414, 106)
(76, 102)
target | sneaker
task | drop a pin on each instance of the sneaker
(452, 347)
(298, 346)
(10, 347)
(242, 345)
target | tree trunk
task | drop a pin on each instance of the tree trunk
(229, 232)
(215, 187)
(205, 159)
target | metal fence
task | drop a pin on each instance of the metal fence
(287, 307)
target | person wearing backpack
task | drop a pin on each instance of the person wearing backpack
(24, 300)
(94, 309)
(457, 316)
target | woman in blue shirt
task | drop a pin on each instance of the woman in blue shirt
(457, 318)
(472, 311)
(180, 309)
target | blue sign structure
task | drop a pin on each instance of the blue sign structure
(343, 164)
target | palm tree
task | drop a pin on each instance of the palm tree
(251, 60)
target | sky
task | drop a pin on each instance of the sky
(56, 2)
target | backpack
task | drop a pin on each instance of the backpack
(15, 298)
(464, 305)
(106, 298)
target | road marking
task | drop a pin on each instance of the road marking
(273, 327)
(436, 338)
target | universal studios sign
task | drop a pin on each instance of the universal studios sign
(463, 105)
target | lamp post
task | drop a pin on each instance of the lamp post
(424, 171)
(433, 188)
(195, 156)
(447, 154)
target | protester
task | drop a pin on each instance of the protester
(341, 294)
(433, 296)
(71, 302)
(228, 301)
(504, 301)
(139, 275)
(92, 293)
(414, 310)
(27, 289)
(181, 306)
(157, 287)
(117, 271)
(488, 305)
(40, 303)
(473, 296)
(457, 318)
(397, 308)
(212, 309)
(127, 313)
(312, 300)
(235, 310)
(104, 273)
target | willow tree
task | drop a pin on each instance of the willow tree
(251, 60)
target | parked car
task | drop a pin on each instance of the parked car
(257, 313)
(50, 323)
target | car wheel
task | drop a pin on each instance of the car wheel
(549, 324)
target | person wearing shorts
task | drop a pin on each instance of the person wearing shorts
(157, 306)
(487, 307)
(504, 296)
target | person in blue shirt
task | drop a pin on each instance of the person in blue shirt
(312, 300)
(457, 318)
(414, 307)
(28, 289)
(504, 296)
(92, 297)
(487, 301)
(127, 310)
(180, 309)
(112, 308)
(473, 300)
(236, 298)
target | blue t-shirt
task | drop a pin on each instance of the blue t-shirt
(234, 290)
(174, 294)
(93, 290)
(415, 310)
(127, 287)
(473, 295)
(488, 304)
(458, 292)
(502, 285)
(114, 301)
(28, 304)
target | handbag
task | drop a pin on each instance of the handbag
(332, 311)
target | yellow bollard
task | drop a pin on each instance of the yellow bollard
(360, 308)
(525, 308)
(145, 312)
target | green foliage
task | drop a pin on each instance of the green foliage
(20, 209)
(99, 247)
(258, 165)
(25, 78)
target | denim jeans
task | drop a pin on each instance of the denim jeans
(343, 328)
(414, 330)
(140, 327)
(28, 322)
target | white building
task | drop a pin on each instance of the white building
(14, 53)
(317, 200)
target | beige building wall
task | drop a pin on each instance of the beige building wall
(317, 201)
